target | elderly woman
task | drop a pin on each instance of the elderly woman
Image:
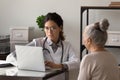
(99, 64)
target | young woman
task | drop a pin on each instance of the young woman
(57, 52)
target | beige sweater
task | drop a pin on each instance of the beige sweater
(99, 66)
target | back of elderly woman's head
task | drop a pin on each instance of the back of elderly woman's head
(97, 32)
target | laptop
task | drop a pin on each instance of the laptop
(30, 58)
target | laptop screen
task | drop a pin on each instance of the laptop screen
(30, 58)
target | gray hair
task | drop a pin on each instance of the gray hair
(98, 32)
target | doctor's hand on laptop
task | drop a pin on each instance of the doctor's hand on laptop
(53, 65)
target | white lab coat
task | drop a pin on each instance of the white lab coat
(69, 56)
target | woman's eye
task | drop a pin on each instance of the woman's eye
(50, 28)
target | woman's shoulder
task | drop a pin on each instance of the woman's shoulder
(39, 39)
(87, 60)
(97, 56)
(89, 57)
(66, 42)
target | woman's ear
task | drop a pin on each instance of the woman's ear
(89, 41)
(61, 28)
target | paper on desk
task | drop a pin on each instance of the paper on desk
(4, 63)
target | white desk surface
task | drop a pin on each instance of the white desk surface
(15, 72)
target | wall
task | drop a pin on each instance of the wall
(24, 12)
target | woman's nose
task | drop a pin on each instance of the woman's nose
(50, 30)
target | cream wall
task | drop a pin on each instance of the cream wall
(24, 13)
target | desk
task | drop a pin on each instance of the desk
(12, 73)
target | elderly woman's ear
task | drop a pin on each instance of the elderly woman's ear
(89, 41)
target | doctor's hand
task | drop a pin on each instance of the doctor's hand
(53, 65)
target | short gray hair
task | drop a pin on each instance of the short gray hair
(97, 32)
